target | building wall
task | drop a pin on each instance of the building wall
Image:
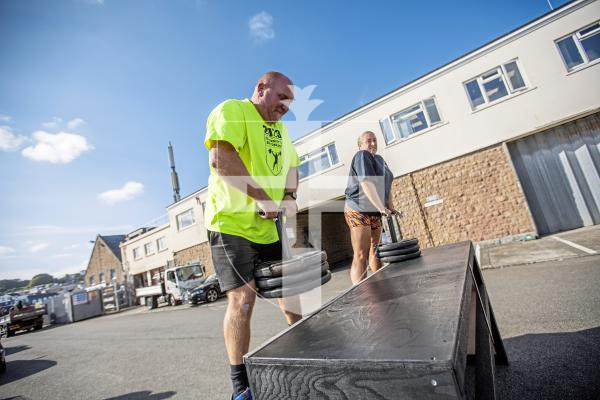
(193, 234)
(103, 260)
(481, 200)
(553, 95)
(199, 252)
(150, 262)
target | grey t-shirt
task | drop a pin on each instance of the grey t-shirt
(366, 166)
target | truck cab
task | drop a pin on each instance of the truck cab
(173, 285)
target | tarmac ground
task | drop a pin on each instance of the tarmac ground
(547, 306)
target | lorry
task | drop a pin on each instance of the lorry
(22, 316)
(173, 285)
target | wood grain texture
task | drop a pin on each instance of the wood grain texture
(402, 333)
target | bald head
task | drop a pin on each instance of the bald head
(269, 77)
(272, 95)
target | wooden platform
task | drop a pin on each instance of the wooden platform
(404, 333)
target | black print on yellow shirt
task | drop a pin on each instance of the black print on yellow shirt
(273, 144)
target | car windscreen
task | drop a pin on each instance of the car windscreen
(189, 272)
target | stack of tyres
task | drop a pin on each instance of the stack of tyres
(400, 249)
(295, 274)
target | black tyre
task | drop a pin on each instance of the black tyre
(269, 269)
(404, 257)
(398, 252)
(307, 274)
(295, 289)
(212, 295)
(171, 300)
(9, 332)
(404, 243)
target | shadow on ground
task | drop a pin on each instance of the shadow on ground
(20, 369)
(144, 395)
(551, 366)
(15, 349)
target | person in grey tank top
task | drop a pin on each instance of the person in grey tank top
(367, 199)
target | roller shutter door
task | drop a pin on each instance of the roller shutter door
(559, 170)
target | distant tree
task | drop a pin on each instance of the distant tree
(41, 279)
(7, 285)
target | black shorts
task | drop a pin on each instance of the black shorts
(234, 258)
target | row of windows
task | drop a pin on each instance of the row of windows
(149, 248)
(578, 49)
(184, 220)
(101, 278)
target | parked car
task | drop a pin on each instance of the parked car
(208, 291)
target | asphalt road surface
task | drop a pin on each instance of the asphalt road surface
(548, 314)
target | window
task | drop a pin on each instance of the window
(185, 219)
(149, 248)
(101, 277)
(495, 84)
(113, 275)
(189, 272)
(581, 47)
(92, 280)
(411, 120)
(137, 254)
(161, 243)
(171, 276)
(318, 161)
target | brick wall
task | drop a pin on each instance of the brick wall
(482, 200)
(103, 260)
(199, 252)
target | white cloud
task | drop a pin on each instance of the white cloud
(261, 26)
(9, 141)
(5, 250)
(129, 191)
(5, 118)
(38, 247)
(59, 148)
(61, 255)
(75, 123)
(54, 124)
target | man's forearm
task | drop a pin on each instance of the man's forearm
(291, 183)
(230, 167)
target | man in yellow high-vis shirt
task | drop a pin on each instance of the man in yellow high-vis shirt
(253, 167)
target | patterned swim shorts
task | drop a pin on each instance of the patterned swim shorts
(354, 219)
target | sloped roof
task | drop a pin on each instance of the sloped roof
(113, 244)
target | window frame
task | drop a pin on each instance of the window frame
(136, 253)
(316, 155)
(577, 38)
(397, 137)
(502, 73)
(101, 278)
(158, 249)
(179, 227)
(153, 250)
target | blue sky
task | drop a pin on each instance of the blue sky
(92, 91)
